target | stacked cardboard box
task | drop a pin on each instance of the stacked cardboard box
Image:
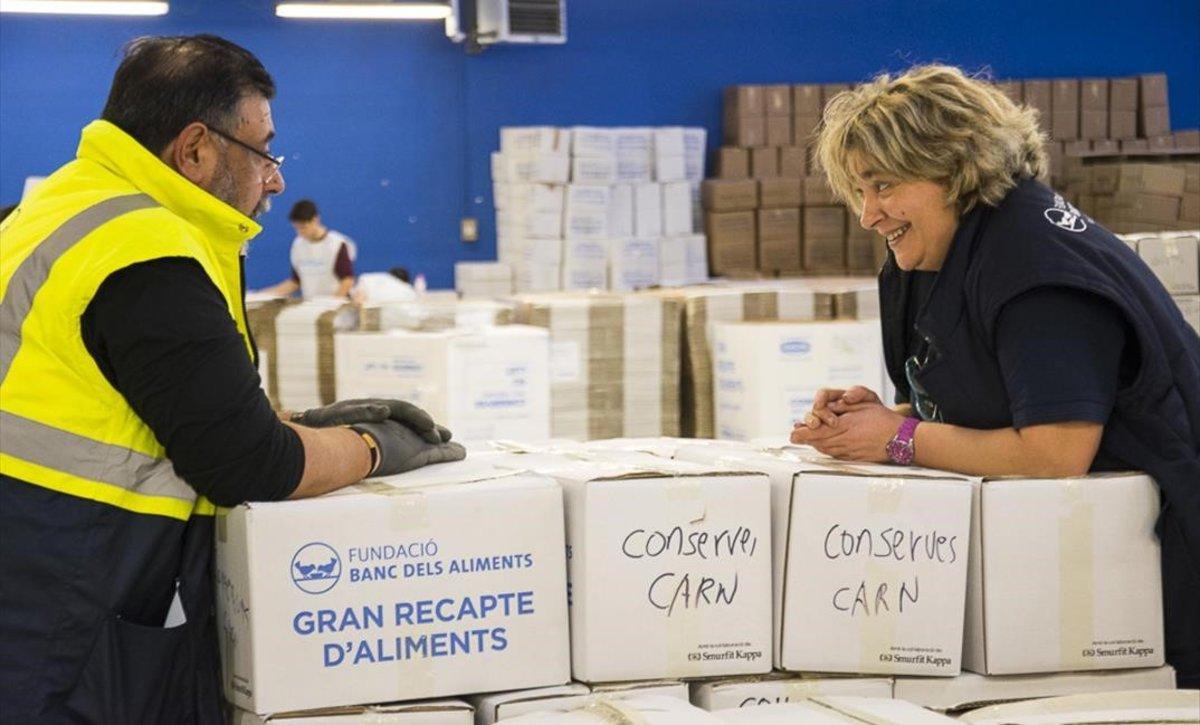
(769, 210)
(599, 207)
(483, 279)
(614, 363)
(1173, 257)
(304, 351)
(1141, 196)
(490, 382)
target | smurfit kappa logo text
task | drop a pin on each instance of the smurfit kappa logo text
(316, 568)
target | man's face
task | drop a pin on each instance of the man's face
(310, 230)
(245, 180)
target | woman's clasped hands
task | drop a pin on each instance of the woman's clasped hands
(851, 424)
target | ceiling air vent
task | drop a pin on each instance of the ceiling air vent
(521, 21)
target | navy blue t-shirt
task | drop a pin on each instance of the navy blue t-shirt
(1064, 354)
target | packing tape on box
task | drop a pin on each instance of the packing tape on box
(408, 509)
(605, 370)
(1076, 576)
(641, 315)
(686, 506)
(615, 712)
(877, 634)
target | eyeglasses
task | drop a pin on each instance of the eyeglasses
(276, 161)
(924, 405)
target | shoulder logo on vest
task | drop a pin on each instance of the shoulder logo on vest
(1065, 216)
(316, 568)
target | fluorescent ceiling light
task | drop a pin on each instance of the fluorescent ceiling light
(365, 10)
(83, 7)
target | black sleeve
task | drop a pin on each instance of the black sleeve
(162, 335)
(1061, 353)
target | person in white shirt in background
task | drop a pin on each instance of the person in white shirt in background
(322, 259)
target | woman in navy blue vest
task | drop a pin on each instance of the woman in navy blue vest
(1022, 337)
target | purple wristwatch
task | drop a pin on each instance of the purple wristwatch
(900, 449)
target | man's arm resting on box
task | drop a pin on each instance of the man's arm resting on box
(161, 334)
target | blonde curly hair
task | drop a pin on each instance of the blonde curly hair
(931, 123)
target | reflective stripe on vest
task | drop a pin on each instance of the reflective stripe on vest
(64, 461)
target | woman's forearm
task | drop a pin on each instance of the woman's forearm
(1054, 450)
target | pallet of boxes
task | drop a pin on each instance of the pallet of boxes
(598, 207)
(770, 211)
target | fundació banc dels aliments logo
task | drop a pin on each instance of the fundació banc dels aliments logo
(316, 568)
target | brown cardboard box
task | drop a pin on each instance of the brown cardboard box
(1187, 138)
(824, 221)
(730, 241)
(779, 130)
(824, 254)
(764, 162)
(779, 193)
(806, 99)
(1134, 145)
(1158, 179)
(793, 161)
(1189, 209)
(1161, 143)
(1037, 95)
(804, 130)
(1064, 94)
(865, 249)
(779, 225)
(1093, 94)
(1140, 207)
(1122, 124)
(817, 190)
(1123, 94)
(1191, 172)
(1154, 121)
(1076, 148)
(733, 163)
(1054, 158)
(779, 239)
(1064, 125)
(1105, 146)
(745, 101)
(1093, 124)
(725, 195)
(778, 100)
(1012, 89)
(1152, 90)
(745, 131)
(829, 90)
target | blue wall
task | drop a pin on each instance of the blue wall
(389, 126)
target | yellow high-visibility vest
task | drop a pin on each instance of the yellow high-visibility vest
(62, 425)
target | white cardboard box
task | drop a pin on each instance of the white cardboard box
(677, 209)
(669, 570)
(428, 712)
(1128, 706)
(669, 141)
(669, 168)
(766, 373)
(482, 384)
(620, 211)
(635, 264)
(594, 169)
(530, 138)
(1065, 575)
(1175, 259)
(585, 264)
(649, 710)
(781, 688)
(647, 210)
(635, 167)
(870, 562)
(586, 215)
(399, 588)
(593, 141)
(974, 690)
(683, 260)
(835, 710)
(549, 167)
(505, 705)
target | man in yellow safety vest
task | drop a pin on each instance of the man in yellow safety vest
(129, 400)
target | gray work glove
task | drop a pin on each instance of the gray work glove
(401, 449)
(374, 410)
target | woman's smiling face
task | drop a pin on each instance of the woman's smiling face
(913, 216)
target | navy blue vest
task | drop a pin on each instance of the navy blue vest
(1035, 239)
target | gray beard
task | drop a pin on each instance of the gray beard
(224, 187)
